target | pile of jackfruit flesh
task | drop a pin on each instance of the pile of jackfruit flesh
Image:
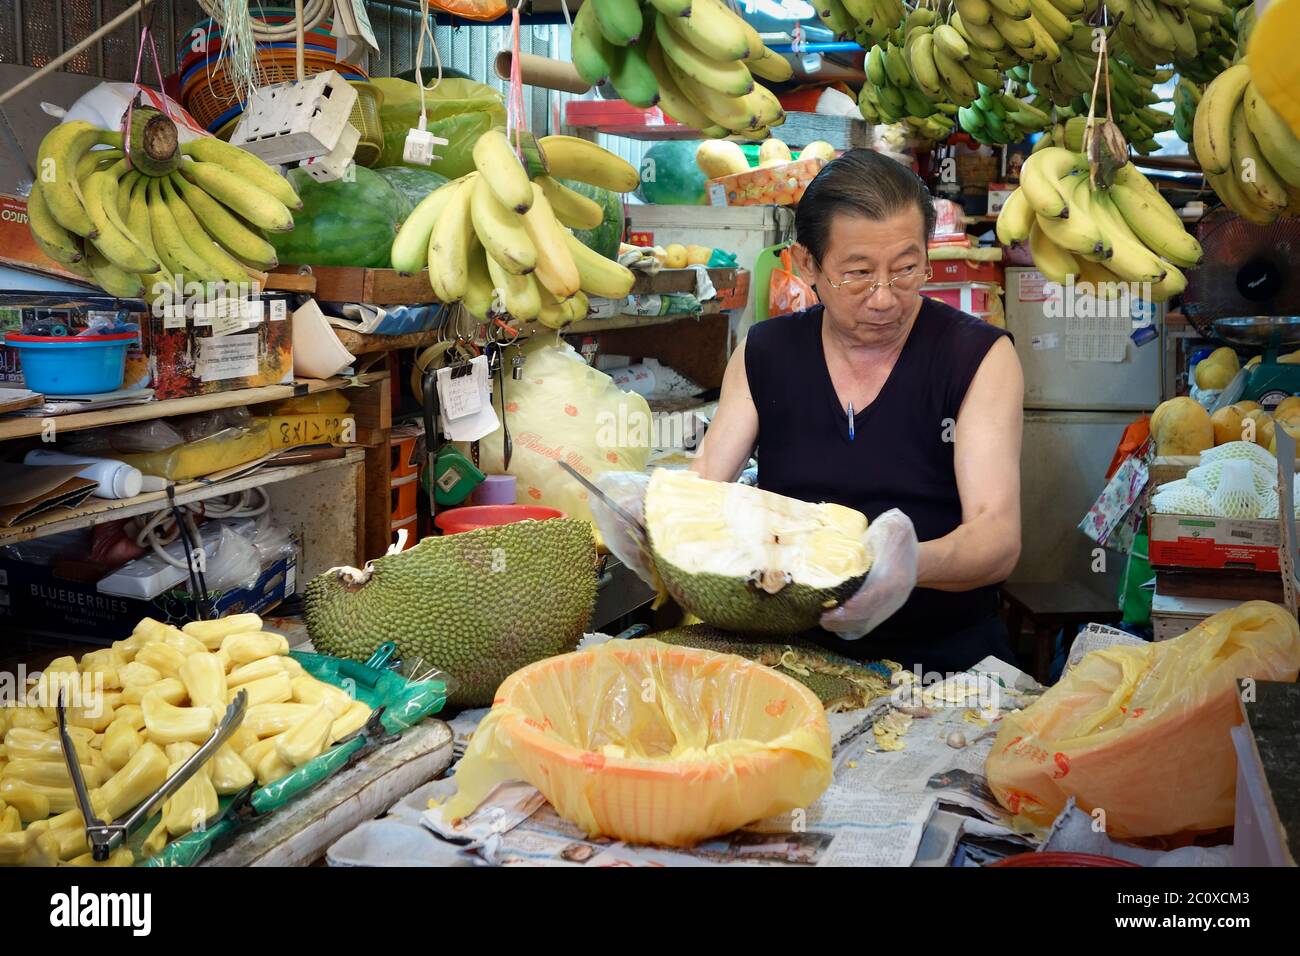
(713, 527)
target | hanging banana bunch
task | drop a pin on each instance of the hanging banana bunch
(164, 214)
(1112, 237)
(1248, 153)
(998, 117)
(1187, 96)
(695, 59)
(500, 243)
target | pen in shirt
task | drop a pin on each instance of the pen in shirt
(850, 421)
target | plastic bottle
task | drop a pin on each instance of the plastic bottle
(116, 479)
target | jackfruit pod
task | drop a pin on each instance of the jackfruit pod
(241, 739)
(251, 646)
(144, 773)
(253, 755)
(181, 751)
(50, 773)
(72, 842)
(138, 674)
(167, 724)
(28, 718)
(107, 663)
(23, 742)
(157, 839)
(269, 690)
(267, 720)
(57, 798)
(185, 643)
(131, 714)
(271, 768)
(119, 857)
(192, 806)
(307, 738)
(257, 670)
(11, 821)
(163, 658)
(30, 804)
(353, 719)
(309, 690)
(212, 633)
(205, 680)
(229, 772)
(169, 689)
(28, 849)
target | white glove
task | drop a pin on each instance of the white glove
(891, 542)
(628, 489)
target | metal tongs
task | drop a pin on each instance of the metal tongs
(103, 837)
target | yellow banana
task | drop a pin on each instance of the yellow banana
(1252, 170)
(568, 157)
(955, 78)
(519, 293)
(55, 241)
(672, 100)
(1017, 33)
(479, 299)
(600, 276)
(1015, 219)
(1040, 178)
(729, 77)
(449, 246)
(238, 239)
(1131, 260)
(733, 113)
(977, 12)
(410, 252)
(181, 262)
(1278, 144)
(112, 278)
(1049, 258)
(924, 69)
(1160, 230)
(556, 271)
(56, 168)
(223, 263)
(1080, 234)
(111, 237)
(1212, 127)
(501, 230)
(572, 208)
(209, 149)
(712, 29)
(246, 198)
(497, 163)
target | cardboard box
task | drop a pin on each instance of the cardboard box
(999, 193)
(187, 357)
(781, 185)
(1189, 541)
(53, 599)
(19, 249)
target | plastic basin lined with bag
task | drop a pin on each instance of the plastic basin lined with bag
(651, 743)
(473, 517)
(1142, 732)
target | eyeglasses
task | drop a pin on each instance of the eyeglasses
(909, 280)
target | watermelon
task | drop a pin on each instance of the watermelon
(342, 223)
(412, 183)
(605, 237)
(671, 177)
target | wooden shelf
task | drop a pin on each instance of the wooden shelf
(96, 510)
(630, 322)
(30, 426)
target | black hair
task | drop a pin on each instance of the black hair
(863, 183)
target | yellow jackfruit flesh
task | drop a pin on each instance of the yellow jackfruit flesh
(750, 560)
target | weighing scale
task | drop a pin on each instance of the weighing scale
(1246, 292)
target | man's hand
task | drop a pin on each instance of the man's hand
(891, 542)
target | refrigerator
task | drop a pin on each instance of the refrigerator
(1086, 379)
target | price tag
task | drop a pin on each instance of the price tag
(227, 321)
(278, 310)
(717, 194)
(252, 311)
(173, 314)
(460, 396)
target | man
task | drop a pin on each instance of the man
(882, 399)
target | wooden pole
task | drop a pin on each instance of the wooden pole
(105, 30)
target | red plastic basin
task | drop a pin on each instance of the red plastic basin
(474, 517)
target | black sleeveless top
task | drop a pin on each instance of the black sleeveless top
(901, 455)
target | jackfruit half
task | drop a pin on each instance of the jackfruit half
(750, 560)
(479, 605)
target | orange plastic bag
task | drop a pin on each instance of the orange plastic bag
(472, 9)
(1141, 733)
(789, 293)
(651, 743)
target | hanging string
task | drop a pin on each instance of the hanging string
(515, 124)
(426, 30)
(145, 34)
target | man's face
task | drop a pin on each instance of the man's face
(862, 251)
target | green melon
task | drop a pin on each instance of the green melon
(412, 183)
(605, 237)
(671, 177)
(342, 223)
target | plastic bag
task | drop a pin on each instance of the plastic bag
(651, 743)
(1141, 733)
(565, 410)
(789, 293)
(459, 111)
(472, 9)
(217, 452)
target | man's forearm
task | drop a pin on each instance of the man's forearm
(982, 551)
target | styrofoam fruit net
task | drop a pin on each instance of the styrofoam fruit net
(1181, 497)
(1235, 496)
(1208, 477)
(1240, 449)
(1271, 505)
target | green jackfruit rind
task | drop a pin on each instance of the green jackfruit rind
(479, 605)
(840, 683)
(732, 604)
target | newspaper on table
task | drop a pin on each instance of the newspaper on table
(881, 801)
(1096, 637)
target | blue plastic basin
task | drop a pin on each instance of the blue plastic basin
(85, 365)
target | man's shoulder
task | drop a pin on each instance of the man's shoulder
(954, 325)
(783, 328)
